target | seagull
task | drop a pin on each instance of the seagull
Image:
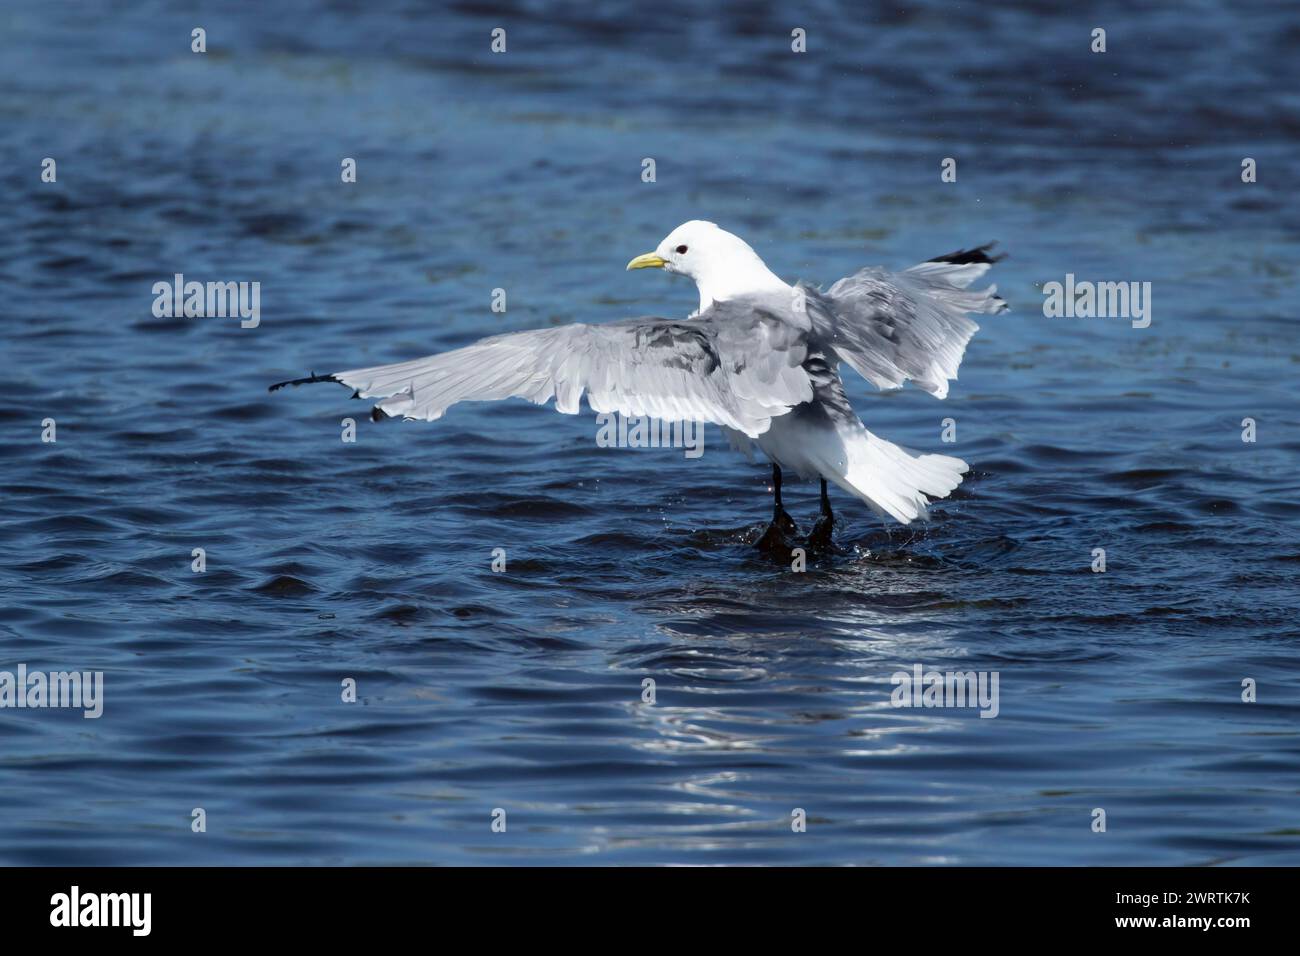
(760, 358)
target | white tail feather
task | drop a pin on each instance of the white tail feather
(894, 480)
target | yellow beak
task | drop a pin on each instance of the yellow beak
(647, 261)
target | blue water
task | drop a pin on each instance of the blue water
(522, 690)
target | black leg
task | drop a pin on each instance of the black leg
(780, 517)
(774, 540)
(820, 539)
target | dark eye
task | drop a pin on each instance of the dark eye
(681, 250)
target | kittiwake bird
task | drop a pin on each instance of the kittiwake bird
(760, 358)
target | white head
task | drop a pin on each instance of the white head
(722, 265)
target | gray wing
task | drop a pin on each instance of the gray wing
(891, 327)
(733, 365)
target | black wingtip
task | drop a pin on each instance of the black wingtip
(305, 381)
(978, 255)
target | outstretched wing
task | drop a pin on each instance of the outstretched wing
(733, 365)
(891, 327)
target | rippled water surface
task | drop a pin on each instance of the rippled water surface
(523, 690)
